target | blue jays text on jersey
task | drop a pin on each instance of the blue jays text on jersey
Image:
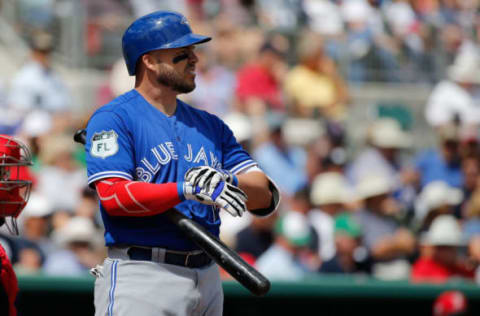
(131, 139)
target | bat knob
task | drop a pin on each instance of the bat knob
(80, 136)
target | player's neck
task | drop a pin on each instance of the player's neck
(164, 100)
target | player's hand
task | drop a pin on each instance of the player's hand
(207, 176)
(223, 195)
(203, 176)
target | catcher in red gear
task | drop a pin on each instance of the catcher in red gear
(14, 192)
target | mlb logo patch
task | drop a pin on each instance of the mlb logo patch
(104, 144)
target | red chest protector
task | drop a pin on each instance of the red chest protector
(8, 280)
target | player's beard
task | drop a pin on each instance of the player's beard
(174, 80)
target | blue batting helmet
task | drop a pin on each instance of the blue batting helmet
(157, 30)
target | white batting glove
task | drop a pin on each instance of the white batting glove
(224, 195)
(204, 174)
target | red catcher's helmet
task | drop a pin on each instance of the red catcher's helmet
(14, 188)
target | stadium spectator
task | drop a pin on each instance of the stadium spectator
(34, 223)
(329, 192)
(78, 243)
(437, 198)
(454, 97)
(388, 244)
(60, 170)
(442, 163)
(258, 84)
(439, 255)
(314, 86)
(37, 86)
(290, 256)
(255, 238)
(283, 162)
(351, 256)
(385, 141)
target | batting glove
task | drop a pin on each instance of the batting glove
(223, 195)
(205, 175)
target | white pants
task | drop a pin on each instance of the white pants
(130, 287)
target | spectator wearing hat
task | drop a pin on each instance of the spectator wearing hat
(437, 198)
(34, 223)
(78, 243)
(442, 163)
(439, 255)
(329, 192)
(351, 256)
(385, 142)
(388, 244)
(453, 97)
(290, 257)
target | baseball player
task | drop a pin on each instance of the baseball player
(147, 151)
(14, 192)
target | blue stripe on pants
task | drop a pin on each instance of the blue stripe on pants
(113, 281)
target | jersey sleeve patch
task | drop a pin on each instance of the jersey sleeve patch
(104, 144)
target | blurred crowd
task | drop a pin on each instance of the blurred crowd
(278, 73)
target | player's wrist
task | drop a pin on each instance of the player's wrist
(230, 177)
(234, 180)
(181, 190)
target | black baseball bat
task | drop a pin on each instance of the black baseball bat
(225, 257)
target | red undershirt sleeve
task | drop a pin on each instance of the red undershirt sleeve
(120, 197)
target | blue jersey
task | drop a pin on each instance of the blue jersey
(131, 139)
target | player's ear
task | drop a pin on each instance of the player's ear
(149, 61)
